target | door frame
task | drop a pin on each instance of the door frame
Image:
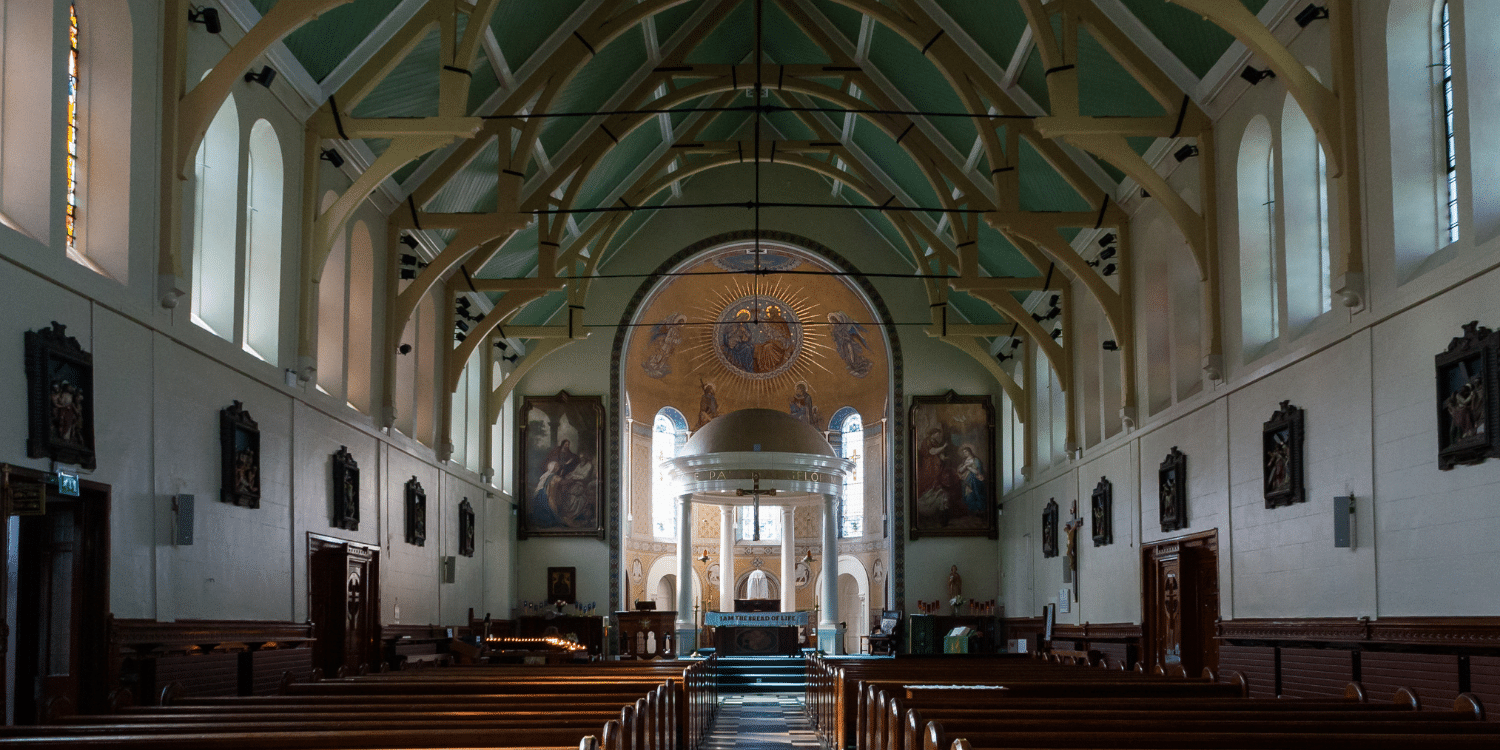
(92, 657)
(1151, 552)
(322, 542)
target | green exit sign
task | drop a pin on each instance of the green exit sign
(67, 484)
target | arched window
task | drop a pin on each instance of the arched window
(361, 316)
(332, 287)
(1443, 56)
(1256, 179)
(668, 433)
(1426, 144)
(770, 523)
(263, 229)
(216, 222)
(427, 355)
(26, 78)
(467, 404)
(97, 137)
(1304, 182)
(851, 435)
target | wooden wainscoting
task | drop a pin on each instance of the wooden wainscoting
(206, 657)
(1435, 657)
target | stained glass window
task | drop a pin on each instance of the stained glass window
(72, 199)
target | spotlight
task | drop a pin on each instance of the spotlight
(462, 326)
(1111, 346)
(808, 558)
(1254, 76)
(409, 241)
(1107, 253)
(1189, 151)
(404, 349)
(408, 273)
(703, 558)
(502, 346)
(1037, 317)
(266, 75)
(331, 156)
(408, 260)
(1311, 13)
(1109, 270)
(458, 337)
(1145, 195)
(463, 303)
(1015, 344)
(1002, 356)
(1055, 299)
(209, 17)
(1057, 333)
(1107, 240)
(1093, 263)
(511, 357)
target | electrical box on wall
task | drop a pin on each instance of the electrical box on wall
(1343, 522)
(182, 520)
(450, 569)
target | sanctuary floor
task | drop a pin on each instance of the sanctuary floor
(761, 721)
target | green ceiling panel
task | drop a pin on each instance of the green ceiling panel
(322, 44)
(1140, 144)
(515, 258)
(672, 19)
(598, 80)
(521, 26)
(784, 41)
(484, 84)
(1033, 79)
(999, 257)
(846, 19)
(1196, 42)
(474, 187)
(411, 89)
(724, 126)
(1113, 171)
(995, 26)
(1106, 89)
(729, 43)
(634, 224)
(542, 310)
(893, 159)
(922, 83)
(1042, 188)
(615, 167)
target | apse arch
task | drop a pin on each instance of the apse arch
(880, 334)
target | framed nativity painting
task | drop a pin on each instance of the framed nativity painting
(952, 466)
(560, 443)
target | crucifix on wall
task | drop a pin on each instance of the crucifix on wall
(1070, 570)
(755, 492)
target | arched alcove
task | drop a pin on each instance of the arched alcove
(839, 351)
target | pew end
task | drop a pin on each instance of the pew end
(1469, 705)
(1356, 692)
(961, 744)
(1407, 697)
(934, 736)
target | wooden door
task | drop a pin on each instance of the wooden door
(343, 598)
(58, 575)
(1181, 603)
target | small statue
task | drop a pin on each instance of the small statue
(955, 582)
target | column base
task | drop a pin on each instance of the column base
(830, 638)
(687, 640)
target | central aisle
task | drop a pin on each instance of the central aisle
(761, 721)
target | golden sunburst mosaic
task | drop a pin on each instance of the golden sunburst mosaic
(765, 339)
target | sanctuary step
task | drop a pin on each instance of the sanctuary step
(762, 674)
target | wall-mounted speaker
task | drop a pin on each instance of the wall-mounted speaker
(182, 520)
(1343, 521)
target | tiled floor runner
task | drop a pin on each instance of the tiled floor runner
(761, 721)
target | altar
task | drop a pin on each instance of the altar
(756, 633)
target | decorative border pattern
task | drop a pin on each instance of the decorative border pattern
(1475, 632)
(897, 441)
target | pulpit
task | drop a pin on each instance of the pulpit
(645, 635)
(756, 633)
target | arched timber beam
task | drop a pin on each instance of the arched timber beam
(1318, 102)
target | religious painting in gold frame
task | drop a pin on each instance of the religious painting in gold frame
(952, 440)
(560, 460)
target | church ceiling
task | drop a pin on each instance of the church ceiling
(990, 143)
